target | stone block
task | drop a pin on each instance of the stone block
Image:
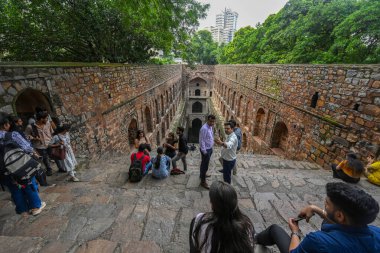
(21, 244)
(141, 247)
(57, 246)
(97, 246)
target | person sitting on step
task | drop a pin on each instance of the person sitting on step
(161, 165)
(226, 229)
(348, 211)
(349, 170)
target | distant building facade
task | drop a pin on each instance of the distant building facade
(225, 27)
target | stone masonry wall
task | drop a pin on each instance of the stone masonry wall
(346, 116)
(102, 103)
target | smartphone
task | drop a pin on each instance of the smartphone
(299, 218)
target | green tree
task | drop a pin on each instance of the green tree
(311, 31)
(102, 30)
(201, 49)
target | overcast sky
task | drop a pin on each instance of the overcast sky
(250, 11)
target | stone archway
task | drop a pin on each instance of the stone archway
(28, 100)
(196, 125)
(244, 142)
(259, 120)
(148, 120)
(132, 131)
(280, 136)
(158, 140)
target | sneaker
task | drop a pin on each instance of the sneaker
(75, 179)
(208, 175)
(221, 171)
(37, 211)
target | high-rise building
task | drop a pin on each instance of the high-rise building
(225, 27)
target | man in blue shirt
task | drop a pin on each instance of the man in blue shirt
(348, 211)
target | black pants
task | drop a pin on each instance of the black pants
(274, 235)
(46, 159)
(204, 164)
(341, 175)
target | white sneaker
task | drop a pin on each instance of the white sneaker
(39, 210)
(75, 179)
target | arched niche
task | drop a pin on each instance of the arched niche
(27, 101)
(197, 107)
(132, 131)
(280, 136)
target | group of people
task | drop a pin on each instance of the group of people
(38, 140)
(173, 150)
(348, 211)
(229, 150)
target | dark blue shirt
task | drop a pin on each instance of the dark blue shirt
(336, 238)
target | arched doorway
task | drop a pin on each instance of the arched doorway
(196, 125)
(27, 102)
(280, 136)
(197, 92)
(197, 107)
(163, 130)
(157, 111)
(244, 142)
(132, 131)
(148, 120)
(158, 138)
(259, 119)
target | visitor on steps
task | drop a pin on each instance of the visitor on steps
(40, 135)
(182, 149)
(141, 139)
(206, 142)
(372, 170)
(170, 145)
(238, 133)
(146, 163)
(62, 137)
(349, 170)
(347, 213)
(228, 152)
(225, 229)
(25, 196)
(160, 165)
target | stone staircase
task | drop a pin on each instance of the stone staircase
(104, 213)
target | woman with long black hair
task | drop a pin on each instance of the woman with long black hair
(161, 165)
(224, 230)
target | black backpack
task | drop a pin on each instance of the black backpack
(135, 170)
(14, 162)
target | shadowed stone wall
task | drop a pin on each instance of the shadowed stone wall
(106, 105)
(273, 105)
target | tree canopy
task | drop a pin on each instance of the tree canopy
(201, 49)
(311, 31)
(95, 30)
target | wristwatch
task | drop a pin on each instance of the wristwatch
(298, 233)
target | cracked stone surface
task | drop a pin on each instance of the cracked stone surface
(104, 213)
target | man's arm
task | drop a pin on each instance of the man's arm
(294, 237)
(202, 137)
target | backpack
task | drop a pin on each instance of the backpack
(135, 170)
(14, 162)
(238, 135)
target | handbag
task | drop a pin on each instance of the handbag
(59, 152)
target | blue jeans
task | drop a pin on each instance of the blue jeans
(148, 166)
(25, 199)
(204, 164)
(227, 168)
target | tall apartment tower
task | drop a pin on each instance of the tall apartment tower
(225, 27)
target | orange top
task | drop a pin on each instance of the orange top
(343, 165)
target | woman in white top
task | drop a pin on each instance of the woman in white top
(224, 230)
(62, 137)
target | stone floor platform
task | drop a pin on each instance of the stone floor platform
(105, 214)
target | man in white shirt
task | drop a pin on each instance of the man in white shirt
(228, 152)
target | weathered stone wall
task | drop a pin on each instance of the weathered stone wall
(346, 116)
(105, 104)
